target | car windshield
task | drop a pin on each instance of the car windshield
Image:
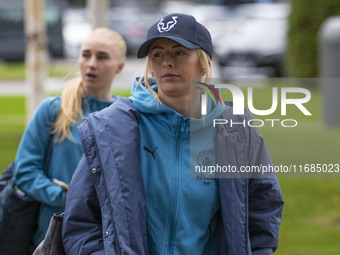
(11, 18)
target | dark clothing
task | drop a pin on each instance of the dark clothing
(105, 209)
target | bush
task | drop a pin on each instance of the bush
(304, 22)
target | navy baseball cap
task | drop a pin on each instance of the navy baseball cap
(181, 28)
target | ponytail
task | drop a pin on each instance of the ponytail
(70, 109)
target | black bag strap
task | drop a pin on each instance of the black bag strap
(48, 155)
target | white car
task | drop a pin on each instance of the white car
(254, 42)
(76, 27)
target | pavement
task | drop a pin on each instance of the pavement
(133, 67)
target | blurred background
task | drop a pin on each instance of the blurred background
(249, 38)
(279, 43)
(252, 38)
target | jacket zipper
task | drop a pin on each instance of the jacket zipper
(173, 212)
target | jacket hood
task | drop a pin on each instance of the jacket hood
(145, 102)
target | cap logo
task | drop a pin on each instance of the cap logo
(168, 26)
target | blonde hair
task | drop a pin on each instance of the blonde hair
(71, 98)
(113, 37)
(203, 58)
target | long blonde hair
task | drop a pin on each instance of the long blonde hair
(203, 58)
(71, 98)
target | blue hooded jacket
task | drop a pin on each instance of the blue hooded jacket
(107, 210)
(181, 209)
(29, 162)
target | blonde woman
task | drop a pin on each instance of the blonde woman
(102, 56)
(132, 192)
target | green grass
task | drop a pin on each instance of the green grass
(311, 219)
(13, 122)
(17, 70)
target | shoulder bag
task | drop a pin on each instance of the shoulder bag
(18, 212)
(53, 242)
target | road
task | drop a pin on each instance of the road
(133, 67)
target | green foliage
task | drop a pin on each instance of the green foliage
(304, 24)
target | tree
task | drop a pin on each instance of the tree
(304, 22)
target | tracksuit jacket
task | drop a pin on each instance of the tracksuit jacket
(106, 205)
(66, 154)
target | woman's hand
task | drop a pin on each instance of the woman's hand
(60, 183)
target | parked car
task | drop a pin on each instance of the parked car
(133, 23)
(76, 26)
(254, 41)
(12, 33)
(212, 16)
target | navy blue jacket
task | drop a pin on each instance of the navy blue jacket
(105, 208)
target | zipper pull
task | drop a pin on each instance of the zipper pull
(184, 124)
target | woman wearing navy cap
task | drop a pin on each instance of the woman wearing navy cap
(133, 192)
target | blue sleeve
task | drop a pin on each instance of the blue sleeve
(82, 228)
(265, 202)
(30, 158)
